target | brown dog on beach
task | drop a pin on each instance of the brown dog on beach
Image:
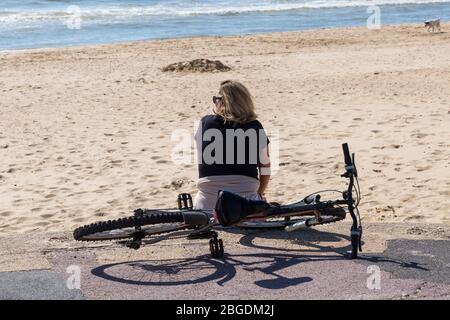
(433, 25)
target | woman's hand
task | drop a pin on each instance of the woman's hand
(262, 196)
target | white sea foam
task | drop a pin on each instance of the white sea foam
(123, 13)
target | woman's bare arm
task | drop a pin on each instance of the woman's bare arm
(263, 183)
(264, 171)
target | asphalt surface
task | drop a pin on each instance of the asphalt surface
(408, 269)
(35, 285)
(257, 265)
(427, 260)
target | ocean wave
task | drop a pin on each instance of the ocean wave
(111, 13)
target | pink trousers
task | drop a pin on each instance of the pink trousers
(208, 188)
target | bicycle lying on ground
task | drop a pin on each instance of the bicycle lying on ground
(149, 226)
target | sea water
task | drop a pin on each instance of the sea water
(58, 23)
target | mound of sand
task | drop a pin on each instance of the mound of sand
(197, 65)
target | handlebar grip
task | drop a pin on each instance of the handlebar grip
(348, 159)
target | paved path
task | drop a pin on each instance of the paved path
(257, 265)
(35, 285)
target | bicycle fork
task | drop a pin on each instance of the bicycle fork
(355, 234)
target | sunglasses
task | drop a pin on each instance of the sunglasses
(216, 99)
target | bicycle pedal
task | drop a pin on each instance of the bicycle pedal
(185, 201)
(216, 247)
(134, 245)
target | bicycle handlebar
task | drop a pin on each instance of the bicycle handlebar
(348, 159)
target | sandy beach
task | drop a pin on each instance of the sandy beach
(85, 132)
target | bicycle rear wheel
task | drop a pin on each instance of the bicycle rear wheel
(158, 222)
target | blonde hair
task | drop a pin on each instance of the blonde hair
(238, 105)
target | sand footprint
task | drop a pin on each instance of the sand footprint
(423, 168)
(115, 162)
(419, 135)
(444, 193)
(414, 217)
(42, 223)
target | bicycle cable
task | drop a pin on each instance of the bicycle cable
(320, 191)
(358, 192)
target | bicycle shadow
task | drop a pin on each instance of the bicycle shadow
(307, 240)
(271, 264)
(203, 269)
